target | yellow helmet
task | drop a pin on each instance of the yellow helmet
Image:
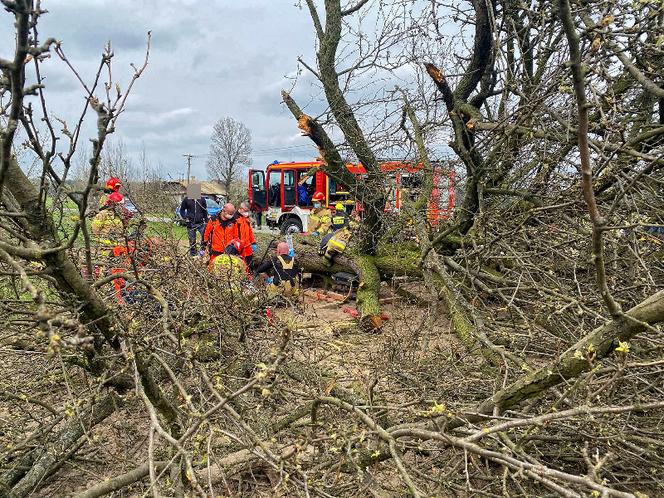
(339, 206)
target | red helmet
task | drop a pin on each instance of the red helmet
(115, 198)
(318, 197)
(234, 247)
(113, 183)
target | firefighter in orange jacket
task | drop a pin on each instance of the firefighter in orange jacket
(246, 233)
(221, 231)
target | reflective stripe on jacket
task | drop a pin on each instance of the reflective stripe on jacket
(339, 221)
(320, 220)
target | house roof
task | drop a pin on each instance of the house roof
(207, 188)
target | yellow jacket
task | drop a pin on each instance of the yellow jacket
(107, 224)
(227, 266)
(320, 220)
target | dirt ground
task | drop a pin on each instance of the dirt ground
(401, 366)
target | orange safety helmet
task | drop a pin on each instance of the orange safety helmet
(318, 197)
(113, 183)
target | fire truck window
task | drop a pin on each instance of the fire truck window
(274, 198)
(411, 185)
(289, 188)
(337, 192)
(411, 181)
(289, 178)
(257, 180)
(306, 190)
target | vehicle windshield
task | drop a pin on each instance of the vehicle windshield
(210, 203)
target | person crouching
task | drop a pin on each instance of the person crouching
(230, 267)
(284, 271)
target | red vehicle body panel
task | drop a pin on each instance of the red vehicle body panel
(436, 211)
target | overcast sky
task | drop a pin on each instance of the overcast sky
(209, 59)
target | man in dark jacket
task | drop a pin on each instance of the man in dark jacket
(194, 212)
(283, 271)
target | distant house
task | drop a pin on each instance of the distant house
(177, 190)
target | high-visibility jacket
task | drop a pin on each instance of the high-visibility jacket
(320, 220)
(232, 272)
(107, 224)
(335, 243)
(289, 282)
(339, 220)
(227, 266)
(246, 236)
(218, 234)
(286, 275)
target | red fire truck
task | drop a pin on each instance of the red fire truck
(281, 195)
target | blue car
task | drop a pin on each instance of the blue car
(213, 208)
(129, 206)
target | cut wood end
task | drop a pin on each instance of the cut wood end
(372, 323)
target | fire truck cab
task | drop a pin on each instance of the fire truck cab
(282, 193)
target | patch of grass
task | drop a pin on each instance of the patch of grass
(166, 230)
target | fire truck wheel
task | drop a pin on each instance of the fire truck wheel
(291, 225)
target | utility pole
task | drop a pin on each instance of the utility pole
(189, 157)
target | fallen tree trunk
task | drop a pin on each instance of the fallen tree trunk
(581, 357)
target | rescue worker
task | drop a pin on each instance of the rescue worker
(230, 268)
(221, 231)
(111, 219)
(112, 185)
(339, 217)
(284, 271)
(334, 243)
(108, 226)
(320, 218)
(246, 233)
(229, 263)
(194, 212)
(105, 222)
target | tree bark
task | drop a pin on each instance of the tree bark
(59, 448)
(581, 357)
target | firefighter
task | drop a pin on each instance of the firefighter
(109, 227)
(221, 231)
(230, 268)
(334, 243)
(112, 185)
(246, 233)
(320, 218)
(284, 271)
(229, 263)
(339, 217)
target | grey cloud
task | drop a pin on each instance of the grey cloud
(208, 60)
